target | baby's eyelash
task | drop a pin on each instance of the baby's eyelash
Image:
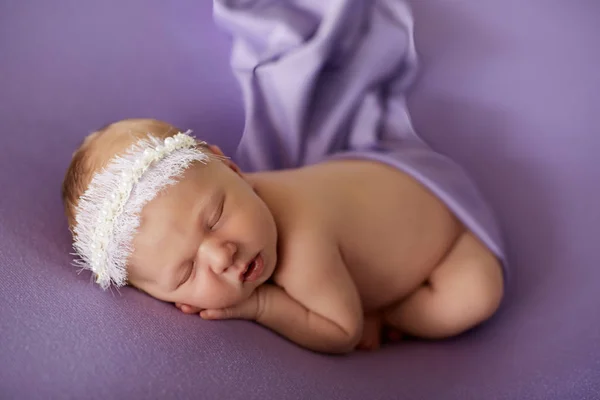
(218, 213)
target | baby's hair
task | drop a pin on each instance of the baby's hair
(98, 149)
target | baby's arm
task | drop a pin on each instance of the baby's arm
(307, 328)
(318, 305)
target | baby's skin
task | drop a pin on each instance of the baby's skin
(325, 255)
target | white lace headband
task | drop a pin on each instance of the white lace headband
(108, 213)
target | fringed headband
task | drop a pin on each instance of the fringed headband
(108, 213)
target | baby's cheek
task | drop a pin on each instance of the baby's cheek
(213, 295)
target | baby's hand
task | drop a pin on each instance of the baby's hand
(247, 309)
(184, 308)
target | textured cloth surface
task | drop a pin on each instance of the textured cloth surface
(507, 88)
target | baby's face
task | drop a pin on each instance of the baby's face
(208, 241)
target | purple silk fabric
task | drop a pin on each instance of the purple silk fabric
(329, 79)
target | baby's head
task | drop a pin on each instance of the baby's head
(187, 227)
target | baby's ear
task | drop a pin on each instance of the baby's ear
(216, 150)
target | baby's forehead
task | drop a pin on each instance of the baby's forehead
(192, 190)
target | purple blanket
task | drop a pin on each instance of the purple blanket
(328, 79)
(507, 88)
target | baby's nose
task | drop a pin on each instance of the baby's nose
(221, 257)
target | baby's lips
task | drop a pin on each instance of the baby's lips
(256, 269)
(245, 269)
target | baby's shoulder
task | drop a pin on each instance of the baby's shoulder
(304, 248)
(298, 199)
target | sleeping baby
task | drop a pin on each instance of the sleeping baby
(327, 254)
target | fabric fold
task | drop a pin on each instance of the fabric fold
(328, 80)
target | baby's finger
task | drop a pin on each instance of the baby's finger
(186, 309)
(213, 314)
(189, 309)
(223, 313)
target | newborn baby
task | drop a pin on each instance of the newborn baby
(325, 255)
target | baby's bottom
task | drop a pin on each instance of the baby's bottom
(464, 290)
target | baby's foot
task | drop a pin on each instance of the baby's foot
(392, 334)
(371, 337)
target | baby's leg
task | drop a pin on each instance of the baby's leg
(464, 290)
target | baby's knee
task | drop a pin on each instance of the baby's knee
(472, 299)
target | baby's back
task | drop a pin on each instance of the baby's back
(391, 231)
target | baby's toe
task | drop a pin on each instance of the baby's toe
(393, 335)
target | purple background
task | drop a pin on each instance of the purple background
(510, 89)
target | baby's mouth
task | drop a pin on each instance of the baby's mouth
(253, 269)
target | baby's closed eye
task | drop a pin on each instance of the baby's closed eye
(216, 215)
